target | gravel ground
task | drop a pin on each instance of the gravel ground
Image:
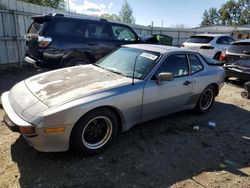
(166, 152)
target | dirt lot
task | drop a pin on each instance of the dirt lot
(166, 152)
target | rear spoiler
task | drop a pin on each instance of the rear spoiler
(44, 18)
(41, 18)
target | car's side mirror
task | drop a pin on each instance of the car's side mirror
(164, 76)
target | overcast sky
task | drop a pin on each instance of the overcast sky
(171, 12)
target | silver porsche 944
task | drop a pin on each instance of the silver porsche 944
(84, 107)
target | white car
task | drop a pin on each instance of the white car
(210, 45)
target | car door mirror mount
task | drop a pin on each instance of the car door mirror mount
(164, 76)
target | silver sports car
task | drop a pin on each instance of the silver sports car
(84, 107)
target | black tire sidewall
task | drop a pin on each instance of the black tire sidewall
(198, 107)
(76, 135)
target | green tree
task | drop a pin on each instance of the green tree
(231, 13)
(57, 4)
(126, 13)
(210, 17)
(244, 6)
(205, 19)
(113, 17)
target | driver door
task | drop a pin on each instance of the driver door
(168, 96)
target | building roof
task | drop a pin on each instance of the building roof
(222, 28)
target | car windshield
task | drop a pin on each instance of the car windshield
(123, 61)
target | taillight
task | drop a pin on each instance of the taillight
(222, 56)
(206, 47)
(44, 41)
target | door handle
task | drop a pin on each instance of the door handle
(187, 83)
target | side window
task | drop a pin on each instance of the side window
(177, 64)
(59, 27)
(230, 40)
(220, 40)
(223, 40)
(72, 28)
(97, 30)
(195, 63)
(123, 33)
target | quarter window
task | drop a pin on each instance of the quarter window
(177, 64)
(195, 63)
(225, 40)
(123, 33)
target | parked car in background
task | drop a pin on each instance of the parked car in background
(210, 45)
(237, 60)
(63, 41)
(84, 107)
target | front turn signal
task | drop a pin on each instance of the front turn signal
(54, 129)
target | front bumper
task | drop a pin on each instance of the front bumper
(33, 62)
(39, 139)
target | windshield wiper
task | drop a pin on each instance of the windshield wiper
(97, 65)
(116, 71)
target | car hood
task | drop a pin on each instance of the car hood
(60, 86)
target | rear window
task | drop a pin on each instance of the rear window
(200, 39)
(240, 48)
(35, 28)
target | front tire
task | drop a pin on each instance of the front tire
(94, 131)
(206, 100)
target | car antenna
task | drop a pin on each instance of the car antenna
(133, 77)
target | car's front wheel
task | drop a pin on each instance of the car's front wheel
(94, 131)
(206, 100)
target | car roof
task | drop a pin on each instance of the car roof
(242, 41)
(157, 48)
(65, 16)
(212, 35)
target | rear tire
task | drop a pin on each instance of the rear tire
(206, 100)
(94, 131)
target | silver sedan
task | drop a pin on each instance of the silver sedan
(84, 107)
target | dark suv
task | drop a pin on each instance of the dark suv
(237, 60)
(61, 41)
